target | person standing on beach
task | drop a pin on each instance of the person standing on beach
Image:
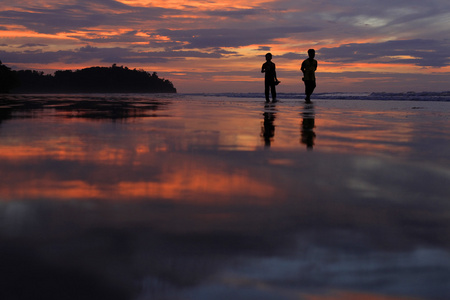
(309, 67)
(270, 79)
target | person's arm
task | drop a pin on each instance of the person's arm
(302, 68)
(263, 68)
(275, 73)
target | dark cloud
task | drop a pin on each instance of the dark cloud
(237, 13)
(292, 56)
(226, 52)
(107, 55)
(264, 48)
(127, 37)
(420, 52)
(30, 45)
(231, 37)
(82, 15)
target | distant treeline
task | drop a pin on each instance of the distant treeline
(112, 79)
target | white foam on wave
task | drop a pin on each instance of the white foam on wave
(385, 96)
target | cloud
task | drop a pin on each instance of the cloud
(32, 45)
(81, 15)
(231, 37)
(107, 55)
(292, 56)
(237, 13)
(130, 36)
(433, 53)
(263, 48)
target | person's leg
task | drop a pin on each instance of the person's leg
(310, 85)
(313, 86)
(266, 91)
(274, 92)
(307, 94)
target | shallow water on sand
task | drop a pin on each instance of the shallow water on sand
(195, 197)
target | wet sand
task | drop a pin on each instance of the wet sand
(192, 197)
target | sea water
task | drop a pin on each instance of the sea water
(224, 196)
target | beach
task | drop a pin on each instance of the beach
(224, 197)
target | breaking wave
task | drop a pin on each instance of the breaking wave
(406, 96)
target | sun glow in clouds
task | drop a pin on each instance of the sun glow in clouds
(192, 5)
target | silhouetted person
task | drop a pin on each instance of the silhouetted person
(309, 67)
(307, 127)
(268, 128)
(270, 79)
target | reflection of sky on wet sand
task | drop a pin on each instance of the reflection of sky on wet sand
(191, 202)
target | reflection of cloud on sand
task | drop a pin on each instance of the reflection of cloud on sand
(350, 295)
(52, 189)
(317, 238)
(199, 186)
(65, 149)
(181, 185)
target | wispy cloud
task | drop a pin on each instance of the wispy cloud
(226, 37)
(419, 52)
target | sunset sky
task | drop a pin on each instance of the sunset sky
(219, 46)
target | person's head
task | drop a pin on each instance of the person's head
(269, 56)
(311, 53)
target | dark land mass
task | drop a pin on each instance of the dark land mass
(112, 79)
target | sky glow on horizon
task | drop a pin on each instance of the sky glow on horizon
(219, 46)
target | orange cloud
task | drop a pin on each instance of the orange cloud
(196, 4)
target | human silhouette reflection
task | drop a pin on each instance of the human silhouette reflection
(267, 126)
(307, 126)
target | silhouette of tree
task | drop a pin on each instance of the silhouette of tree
(112, 79)
(8, 79)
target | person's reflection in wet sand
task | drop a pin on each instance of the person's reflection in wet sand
(307, 126)
(267, 126)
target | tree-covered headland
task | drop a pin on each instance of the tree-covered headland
(8, 79)
(112, 79)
